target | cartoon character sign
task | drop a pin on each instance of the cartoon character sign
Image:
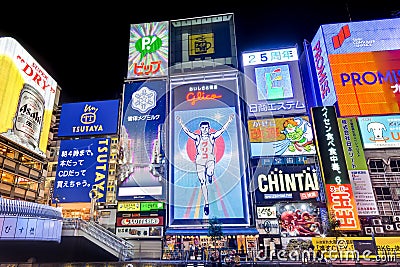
(281, 136)
(299, 137)
(299, 221)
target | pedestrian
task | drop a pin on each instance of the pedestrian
(237, 260)
(214, 259)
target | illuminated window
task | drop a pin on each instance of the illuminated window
(7, 177)
(383, 193)
(395, 164)
(376, 165)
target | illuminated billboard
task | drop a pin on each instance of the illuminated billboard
(144, 108)
(360, 62)
(89, 118)
(30, 228)
(286, 183)
(82, 164)
(299, 219)
(357, 167)
(207, 168)
(281, 137)
(339, 191)
(380, 131)
(27, 97)
(148, 50)
(273, 82)
(140, 232)
(202, 43)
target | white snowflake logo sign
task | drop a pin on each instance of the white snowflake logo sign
(144, 99)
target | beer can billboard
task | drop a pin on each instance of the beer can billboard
(27, 94)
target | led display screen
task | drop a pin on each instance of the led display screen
(286, 183)
(27, 97)
(89, 118)
(207, 177)
(362, 59)
(299, 219)
(144, 107)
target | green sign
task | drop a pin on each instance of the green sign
(148, 206)
(352, 144)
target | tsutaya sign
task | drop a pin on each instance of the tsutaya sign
(340, 197)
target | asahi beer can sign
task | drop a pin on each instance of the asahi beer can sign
(29, 115)
(27, 97)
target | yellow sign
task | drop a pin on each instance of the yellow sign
(343, 247)
(27, 94)
(201, 44)
(129, 206)
(388, 245)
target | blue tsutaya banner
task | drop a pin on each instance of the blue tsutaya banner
(89, 118)
(82, 164)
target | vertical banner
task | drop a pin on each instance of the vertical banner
(207, 177)
(143, 116)
(82, 163)
(357, 167)
(340, 197)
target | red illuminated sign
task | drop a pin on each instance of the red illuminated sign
(200, 96)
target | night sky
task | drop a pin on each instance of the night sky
(85, 48)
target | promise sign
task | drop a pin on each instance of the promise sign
(340, 197)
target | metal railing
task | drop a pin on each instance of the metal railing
(120, 246)
(21, 208)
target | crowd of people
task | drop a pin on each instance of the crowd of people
(218, 257)
(231, 258)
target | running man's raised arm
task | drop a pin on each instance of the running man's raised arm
(224, 127)
(185, 129)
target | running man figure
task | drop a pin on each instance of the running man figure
(205, 157)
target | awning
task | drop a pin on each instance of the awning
(203, 232)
